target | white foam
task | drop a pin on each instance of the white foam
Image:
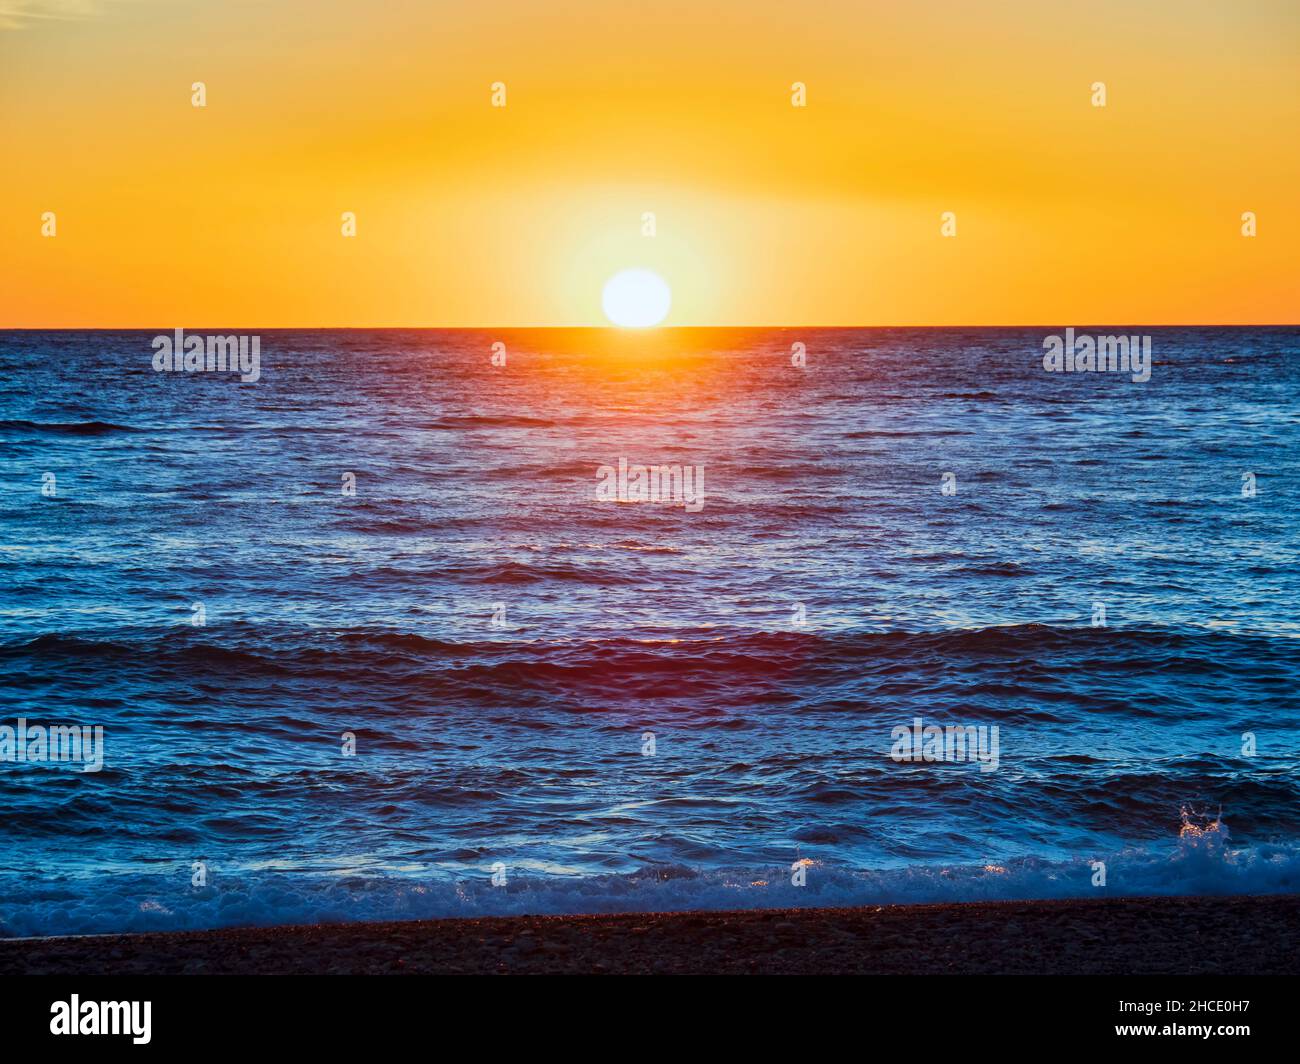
(1200, 861)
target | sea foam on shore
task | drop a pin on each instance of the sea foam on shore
(1134, 936)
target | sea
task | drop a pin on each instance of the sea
(383, 634)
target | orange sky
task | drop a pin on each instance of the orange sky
(1066, 213)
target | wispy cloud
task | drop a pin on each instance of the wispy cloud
(15, 14)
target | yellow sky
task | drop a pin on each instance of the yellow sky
(472, 215)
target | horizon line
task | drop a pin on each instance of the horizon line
(651, 330)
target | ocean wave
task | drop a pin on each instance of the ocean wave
(1201, 861)
(489, 421)
(66, 428)
(1015, 639)
(1189, 650)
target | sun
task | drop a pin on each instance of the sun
(636, 299)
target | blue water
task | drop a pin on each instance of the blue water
(521, 743)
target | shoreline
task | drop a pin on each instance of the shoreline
(1232, 935)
